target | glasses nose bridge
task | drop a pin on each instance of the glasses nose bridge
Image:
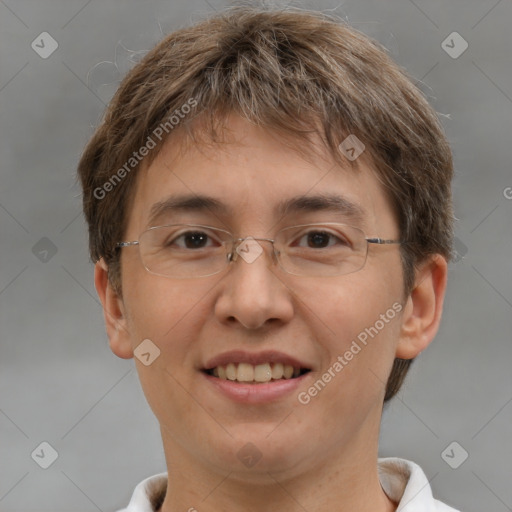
(237, 242)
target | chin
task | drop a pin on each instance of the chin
(256, 450)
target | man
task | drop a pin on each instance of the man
(269, 210)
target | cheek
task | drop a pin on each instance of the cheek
(345, 306)
(158, 308)
(356, 320)
(168, 314)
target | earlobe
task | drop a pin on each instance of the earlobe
(423, 309)
(113, 312)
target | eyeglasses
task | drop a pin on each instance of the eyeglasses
(312, 250)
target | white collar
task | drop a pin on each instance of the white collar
(406, 484)
(403, 481)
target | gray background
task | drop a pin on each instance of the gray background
(60, 383)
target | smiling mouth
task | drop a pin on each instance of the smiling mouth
(254, 374)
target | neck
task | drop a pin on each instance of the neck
(352, 484)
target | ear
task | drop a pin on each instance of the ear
(113, 312)
(423, 309)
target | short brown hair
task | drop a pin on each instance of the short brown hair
(295, 72)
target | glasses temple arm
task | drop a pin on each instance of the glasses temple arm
(127, 244)
(382, 241)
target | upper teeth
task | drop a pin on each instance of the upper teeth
(245, 372)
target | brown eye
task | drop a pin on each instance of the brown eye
(195, 240)
(321, 240)
(318, 239)
(190, 240)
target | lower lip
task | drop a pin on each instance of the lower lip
(256, 393)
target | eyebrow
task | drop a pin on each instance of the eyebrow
(187, 203)
(300, 204)
(323, 203)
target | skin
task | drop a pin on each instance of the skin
(319, 456)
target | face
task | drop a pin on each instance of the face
(257, 313)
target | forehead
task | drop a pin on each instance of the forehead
(253, 178)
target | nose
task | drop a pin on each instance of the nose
(253, 293)
(249, 249)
